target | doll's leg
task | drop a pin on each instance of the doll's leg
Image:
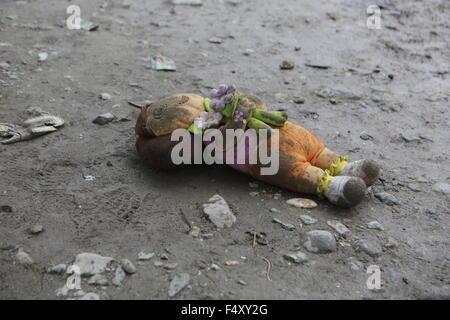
(366, 169)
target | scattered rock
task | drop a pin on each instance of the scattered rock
(142, 256)
(408, 138)
(232, 263)
(299, 100)
(128, 266)
(365, 136)
(307, 219)
(42, 56)
(162, 63)
(284, 225)
(5, 65)
(375, 99)
(170, 266)
(59, 268)
(370, 248)
(119, 276)
(375, 225)
(286, 65)
(24, 258)
(91, 264)
(339, 227)
(178, 283)
(215, 267)
(387, 198)
(104, 118)
(37, 228)
(158, 264)
(242, 282)
(253, 185)
(319, 241)
(98, 280)
(274, 210)
(188, 2)
(414, 187)
(215, 40)
(254, 193)
(302, 203)
(105, 96)
(218, 212)
(194, 232)
(441, 187)
(297, 257)
(341, 93)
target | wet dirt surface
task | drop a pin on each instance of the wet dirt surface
(379, 90)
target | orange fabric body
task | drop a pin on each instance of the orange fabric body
(299, 150)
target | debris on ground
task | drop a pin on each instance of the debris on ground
(319, 241)
(302, 203)
(284, 225)
(218, 212)
(162, 63)
(104, 118)
(91, 263)
(178, 283)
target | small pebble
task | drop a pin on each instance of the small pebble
(24, 258)
(59, 268)
(375, 225)
(104, 118)
(142, 256)
(128, 266)
(286, 65)
(105, 96)
(37, 228)
(307, 219)
(302, 203)
(297, 257)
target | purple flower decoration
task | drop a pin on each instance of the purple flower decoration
(214, 94)
(228, 98)
(238, 116)
(231, 89)
(210, 119)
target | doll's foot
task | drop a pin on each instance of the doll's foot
(345, 191)
(368, 170)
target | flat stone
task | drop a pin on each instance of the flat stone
(37, 228)
(128, 266)
(375, 225)
(92, 263)
(356, 266)
(387, 198)
(170, 266)
(284, 225)
(143, 256)
(178, 283)
(59, 268)
(339, 227)
(307, 219)
(302, 203)
(194, 232)
(368, 247)
(320, 241)
(104, 118)
(105, 96)
(391, 243)
(42, 56)
(218, 212)
(297, 257)
(215, 40)
(441, 187)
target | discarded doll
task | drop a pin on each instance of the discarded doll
(29, 129)
(305, 164)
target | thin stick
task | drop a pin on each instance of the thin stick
(269, 265)
(139, 106)
(254, 239)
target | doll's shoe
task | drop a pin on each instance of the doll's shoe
(368, 170)
(345, 191)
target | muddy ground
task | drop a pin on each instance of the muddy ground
(381, 89)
